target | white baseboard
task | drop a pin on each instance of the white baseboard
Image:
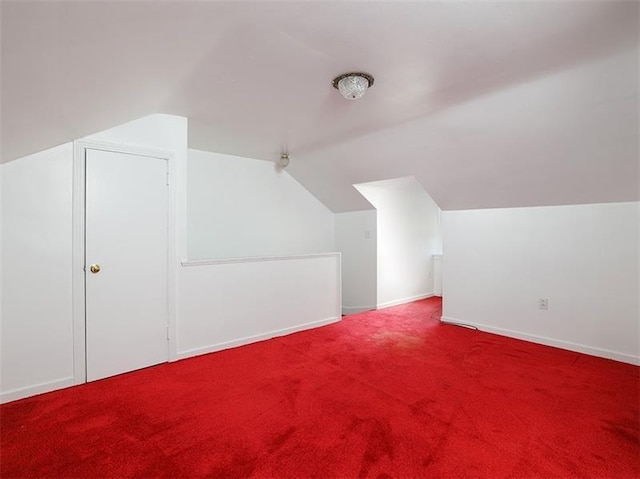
(346, 310)
(558, 343)
(28, 391)
(252, 339)
(396, 302)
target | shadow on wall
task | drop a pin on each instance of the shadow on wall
(397, 244)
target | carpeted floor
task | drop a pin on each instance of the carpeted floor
(391, 393)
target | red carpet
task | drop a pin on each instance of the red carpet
(391, 393)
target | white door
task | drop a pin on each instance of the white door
(126, 238)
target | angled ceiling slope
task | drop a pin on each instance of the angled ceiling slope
(486, 104)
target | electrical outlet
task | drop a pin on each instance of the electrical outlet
(543, 303)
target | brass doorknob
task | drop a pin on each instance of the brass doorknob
(95, 268)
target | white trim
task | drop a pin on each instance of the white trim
(558, 343)
(77, 266)
(257, 337)
(1, 253)
(346, 310)
(339, 286)
(28, 391)
(254, 259)
(123, 148)
(172, 257)
(78, 246)
(396, 302)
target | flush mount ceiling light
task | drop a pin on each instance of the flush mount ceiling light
(353, 85)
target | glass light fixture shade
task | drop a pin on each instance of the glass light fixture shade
(284, 160)
(353, 88)
(353, 85)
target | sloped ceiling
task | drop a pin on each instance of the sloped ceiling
(485, 104)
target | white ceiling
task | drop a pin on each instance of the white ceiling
(485, 104)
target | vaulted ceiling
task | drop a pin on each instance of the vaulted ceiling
(485, 104)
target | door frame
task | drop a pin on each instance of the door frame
(79, 318)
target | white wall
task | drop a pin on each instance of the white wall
(166, 134)
(169, 134)
(408, 235)
(584, 259)
(229, 303)
(217, 305)
(254, 234)
(241, 207)
(37, 338)
(1, 264)
(356, 239)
